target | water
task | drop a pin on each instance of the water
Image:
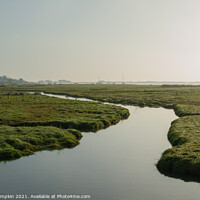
(113, 164)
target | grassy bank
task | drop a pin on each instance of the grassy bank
(28, 121)
(16, 142)
(23, 109)
(184, 156)
(186, 110)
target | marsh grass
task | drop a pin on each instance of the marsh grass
(16, 142)
(40, 110)
(152, 96)
(186, 110)
(184, 156)
(34, 122)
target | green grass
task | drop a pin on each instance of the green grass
(16, 142)
(184, 156)
(40, 110)
(152, 96)
(185, 110)
(30, 123)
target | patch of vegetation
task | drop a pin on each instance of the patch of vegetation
(23, 109)
(16, 142)
(184, 156)
(140, 95)
(185, 110)
(28, 121)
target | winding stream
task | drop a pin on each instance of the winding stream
(117, 163)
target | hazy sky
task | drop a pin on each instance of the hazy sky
(88, 40)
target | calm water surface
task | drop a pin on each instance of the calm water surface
(117, 163)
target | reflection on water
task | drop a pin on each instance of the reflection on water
(113, 164)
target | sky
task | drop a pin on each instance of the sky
(92, 40)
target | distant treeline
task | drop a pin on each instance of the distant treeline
(4, 80)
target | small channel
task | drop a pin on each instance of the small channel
(117, 163)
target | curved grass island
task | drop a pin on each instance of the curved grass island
(184, 135)
(30, 123)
